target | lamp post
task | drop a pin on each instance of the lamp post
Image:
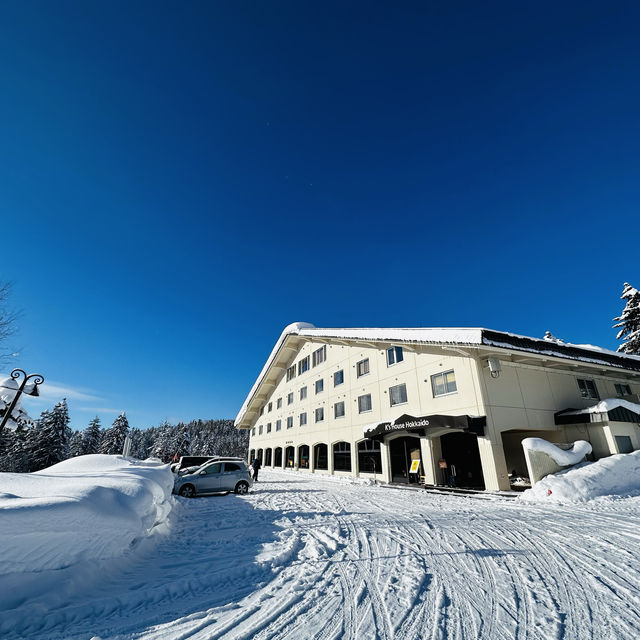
(15, 375)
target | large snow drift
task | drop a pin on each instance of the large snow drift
(613, 476)
(562, 457)
(87, 508)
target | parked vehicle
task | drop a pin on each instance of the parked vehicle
(216, 476)
(190, 461)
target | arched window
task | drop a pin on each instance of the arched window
(320, 456)
(277, 457)
(342, 456)
(369, 458)
(260, 455)
(267, 457)
(303, 456)
(252, 455)
(289, 457)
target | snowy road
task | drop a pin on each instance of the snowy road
(304, 557)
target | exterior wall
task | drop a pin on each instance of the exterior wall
(414, 371)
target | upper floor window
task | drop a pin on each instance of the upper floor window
(303, 419)
(398, 394)
(362, 367)
(268, 427)
(623, 389)
(338, 410)
(270, 406)
(279, 403)
(303, 365)
(290, 397)
(588, 389)
(260, 430)
(320, 414)
(291, 372)
(303, 393)
(338, 378)
(278, 425)
(394, 355)
(319, 385)
(364, 403)
(319, 356)
(290, 422)
(253, 431)
(261, 410)
(443, 383)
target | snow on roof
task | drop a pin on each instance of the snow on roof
(606, 405)
(448, 336)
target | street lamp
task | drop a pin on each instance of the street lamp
(15, 375)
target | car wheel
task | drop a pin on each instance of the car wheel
(187, 491)
(242, 488)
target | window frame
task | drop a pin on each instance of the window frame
(300, 422)
(316, 414)
(365, 395)
(446, 392)
(303, 393)
(364, 362)
(304, 365)
(586, 391)
(398, 386)
(335, 373)
(321, 383)
(395, 351)
(319, 356)
(335, 410)
(290, 398)
(289, 422)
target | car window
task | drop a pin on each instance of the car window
(232, 466)
(213, 468)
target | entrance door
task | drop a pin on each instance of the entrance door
(461, 452)
(403, 452)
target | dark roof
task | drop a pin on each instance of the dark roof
(615, 414)
(559, 349)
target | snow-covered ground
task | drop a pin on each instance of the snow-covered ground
(305, 557)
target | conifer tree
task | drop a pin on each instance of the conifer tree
(629, 321)
(91, 437)
(113, 441)
(76, 444)
(49, 441)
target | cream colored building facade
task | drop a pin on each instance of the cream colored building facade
(467, 397)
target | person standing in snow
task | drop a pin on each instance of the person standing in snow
(256, 467)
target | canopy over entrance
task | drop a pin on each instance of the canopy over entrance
(611, 409)
(423, 425)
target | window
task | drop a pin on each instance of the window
(319, 385)
(261, 410)
(321, 456)
(290, 398)
(362, 367)
(342, 456)
(624, 444)
(398, 394)
(320, 414)
(279, 403)
(268, 427)
(303, 393)
(588, 389)
(303, 419)
(364, 403)
(260, 430)
(369, 457)
(270, 406)
(303, 365)
(213, 468)
(338, 410)
(338, 378)
(232, 466)
(443, 383)
(394, 355)
(290, 422)
(623, 389)
(291, 372)
(319, 356)
(253, 431)
(278, 425)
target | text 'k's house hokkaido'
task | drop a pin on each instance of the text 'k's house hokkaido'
(416, 405)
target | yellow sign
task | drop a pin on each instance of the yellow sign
(415, 465)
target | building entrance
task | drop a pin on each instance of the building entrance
(403, 451)
(461, 453)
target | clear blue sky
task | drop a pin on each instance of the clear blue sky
(179, 181)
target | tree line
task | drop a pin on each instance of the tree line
(36, 445)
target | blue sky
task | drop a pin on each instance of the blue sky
(179, 181)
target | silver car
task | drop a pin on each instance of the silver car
(215, 477)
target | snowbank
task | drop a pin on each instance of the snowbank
(613, 476)
(87, 508)
(563, 457)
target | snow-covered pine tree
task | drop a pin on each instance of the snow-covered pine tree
(19, 453)
(629, 321)
(113, 441)
(76, 444)
(91, 437)
(49, 441)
